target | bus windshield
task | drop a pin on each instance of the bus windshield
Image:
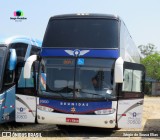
(82, 33)
(2, 56)
(80, 78)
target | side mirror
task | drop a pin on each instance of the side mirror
(12, 60)
(28, 66)
(118, 72)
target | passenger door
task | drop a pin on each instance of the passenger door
(26, 97)
(131, 96)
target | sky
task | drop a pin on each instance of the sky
(142, 17)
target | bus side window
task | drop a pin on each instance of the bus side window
(35, 50)
(34, 73)
(27, 86)
(132, 81)
(127, 81)
(137, 81)
(9, 75)
(30, 82)
(21, 49)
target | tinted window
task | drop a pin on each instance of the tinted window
(27, 86)
(21, 49)
(35, 50)
(2, 52)
(90, 79)
(132, 81)
(82, 33)
(55, 76)
(2, 56)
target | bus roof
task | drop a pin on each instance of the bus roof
(84, 15)
(22, 39)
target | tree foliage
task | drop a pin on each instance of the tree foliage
(147, 50)
(152, 65)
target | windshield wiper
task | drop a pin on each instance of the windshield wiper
(104, 96)
(59, 92)
(92, 93)
(64, 90)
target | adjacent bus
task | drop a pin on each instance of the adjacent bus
(13, 52)
(89, 74)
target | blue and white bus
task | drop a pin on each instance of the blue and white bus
(13, 52)
(89, 74)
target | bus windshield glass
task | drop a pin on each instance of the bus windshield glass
(80, 78)
(2, 56)
(82, 33)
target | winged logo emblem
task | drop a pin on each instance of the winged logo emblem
(77, 52)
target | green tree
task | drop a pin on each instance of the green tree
(147, 49)
(152, 65)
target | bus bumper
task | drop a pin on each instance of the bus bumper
(103, 121)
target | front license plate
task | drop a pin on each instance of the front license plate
(72, 120)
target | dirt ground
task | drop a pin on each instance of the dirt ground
(151, 118)
(151, 115)
(151, 122)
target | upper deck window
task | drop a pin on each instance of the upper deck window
(82, 33)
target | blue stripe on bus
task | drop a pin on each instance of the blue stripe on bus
(108, 53)
(75, 107)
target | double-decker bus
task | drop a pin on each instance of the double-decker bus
(89, 74)
(13, 52)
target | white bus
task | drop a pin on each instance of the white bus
(89, 74)
(13, 53)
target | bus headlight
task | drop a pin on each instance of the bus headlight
(44, 108)
(105, 111)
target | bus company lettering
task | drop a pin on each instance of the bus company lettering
(73, 104)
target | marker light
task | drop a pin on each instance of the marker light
(44, 108)
(105, 111)
(82, 14)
